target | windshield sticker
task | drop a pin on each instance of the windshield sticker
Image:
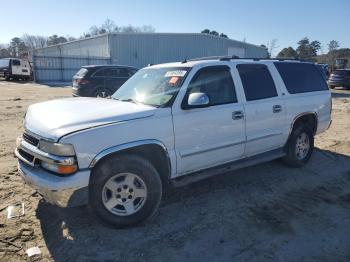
(173, 80)
(179, 73)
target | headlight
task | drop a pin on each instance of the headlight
(56, 148)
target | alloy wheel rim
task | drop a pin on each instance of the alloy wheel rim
(302, 146)
(124, 194)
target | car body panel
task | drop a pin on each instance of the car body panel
(194, 139)
(56, 118)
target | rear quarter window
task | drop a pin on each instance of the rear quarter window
(82, 72)
(301, 77)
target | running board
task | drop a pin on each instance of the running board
(213, 171)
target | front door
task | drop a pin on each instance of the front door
(212, 135)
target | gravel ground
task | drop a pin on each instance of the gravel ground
(267, 212)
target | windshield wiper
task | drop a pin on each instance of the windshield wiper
(129, 100)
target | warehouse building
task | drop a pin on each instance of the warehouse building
(60, 62)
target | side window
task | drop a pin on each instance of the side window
(301, 77)
(100, 72)
(132, 72)
(217, 83)
(123, 72)
(111, 72)
(16, 63)
(257, 81)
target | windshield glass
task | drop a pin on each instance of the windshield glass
(4, 62)
(152, 86)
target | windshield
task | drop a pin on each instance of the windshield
(152, 86)
(4, 62)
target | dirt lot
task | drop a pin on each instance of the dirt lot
(263, 213)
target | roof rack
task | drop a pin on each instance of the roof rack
(229, 58)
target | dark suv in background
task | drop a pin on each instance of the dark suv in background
(100, 80)
(339, 77)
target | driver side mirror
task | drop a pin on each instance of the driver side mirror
(197, 100)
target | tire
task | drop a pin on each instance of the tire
(103, 93)
(109, 198)
(297, 152)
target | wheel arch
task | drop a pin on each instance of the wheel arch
(153, 150)
(310, 118)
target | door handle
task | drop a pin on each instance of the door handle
(237, 115)
(277, 108)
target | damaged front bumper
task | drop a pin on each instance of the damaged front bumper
(61, 190)
(67, 191)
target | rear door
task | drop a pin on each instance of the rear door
(264, 109)
(25, 68)
(212, 135)
(16, 67)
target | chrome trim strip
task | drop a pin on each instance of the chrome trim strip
(210, 149)
(264, 136)
(117, 148)
(38, 154)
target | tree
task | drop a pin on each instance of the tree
(288, 52)
(308, 50)
(315, 46)
(148, 29)
(55, 39)
(108, 26)
(4, 52)
(272, 46)
(213, 32)
(333, 45)
(18, 48)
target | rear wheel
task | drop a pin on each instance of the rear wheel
(125, 190)
(103, 93)
(299, 147)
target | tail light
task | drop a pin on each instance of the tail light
(81, 81)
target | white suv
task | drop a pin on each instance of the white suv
(171, 124)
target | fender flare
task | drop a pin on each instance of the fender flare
(118, 148)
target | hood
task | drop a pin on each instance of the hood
(56, 118)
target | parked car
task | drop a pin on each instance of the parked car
(324, 69)
(15, 68)
(339, 77)
(100, 80)
(169, 125)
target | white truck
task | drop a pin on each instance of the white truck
(168, 125)
(15, 68)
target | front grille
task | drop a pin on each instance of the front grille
(26, 156)
(30, 139)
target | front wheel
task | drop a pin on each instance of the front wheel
(299, 147)
(125, 190)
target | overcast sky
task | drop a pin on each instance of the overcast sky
(255, 21)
